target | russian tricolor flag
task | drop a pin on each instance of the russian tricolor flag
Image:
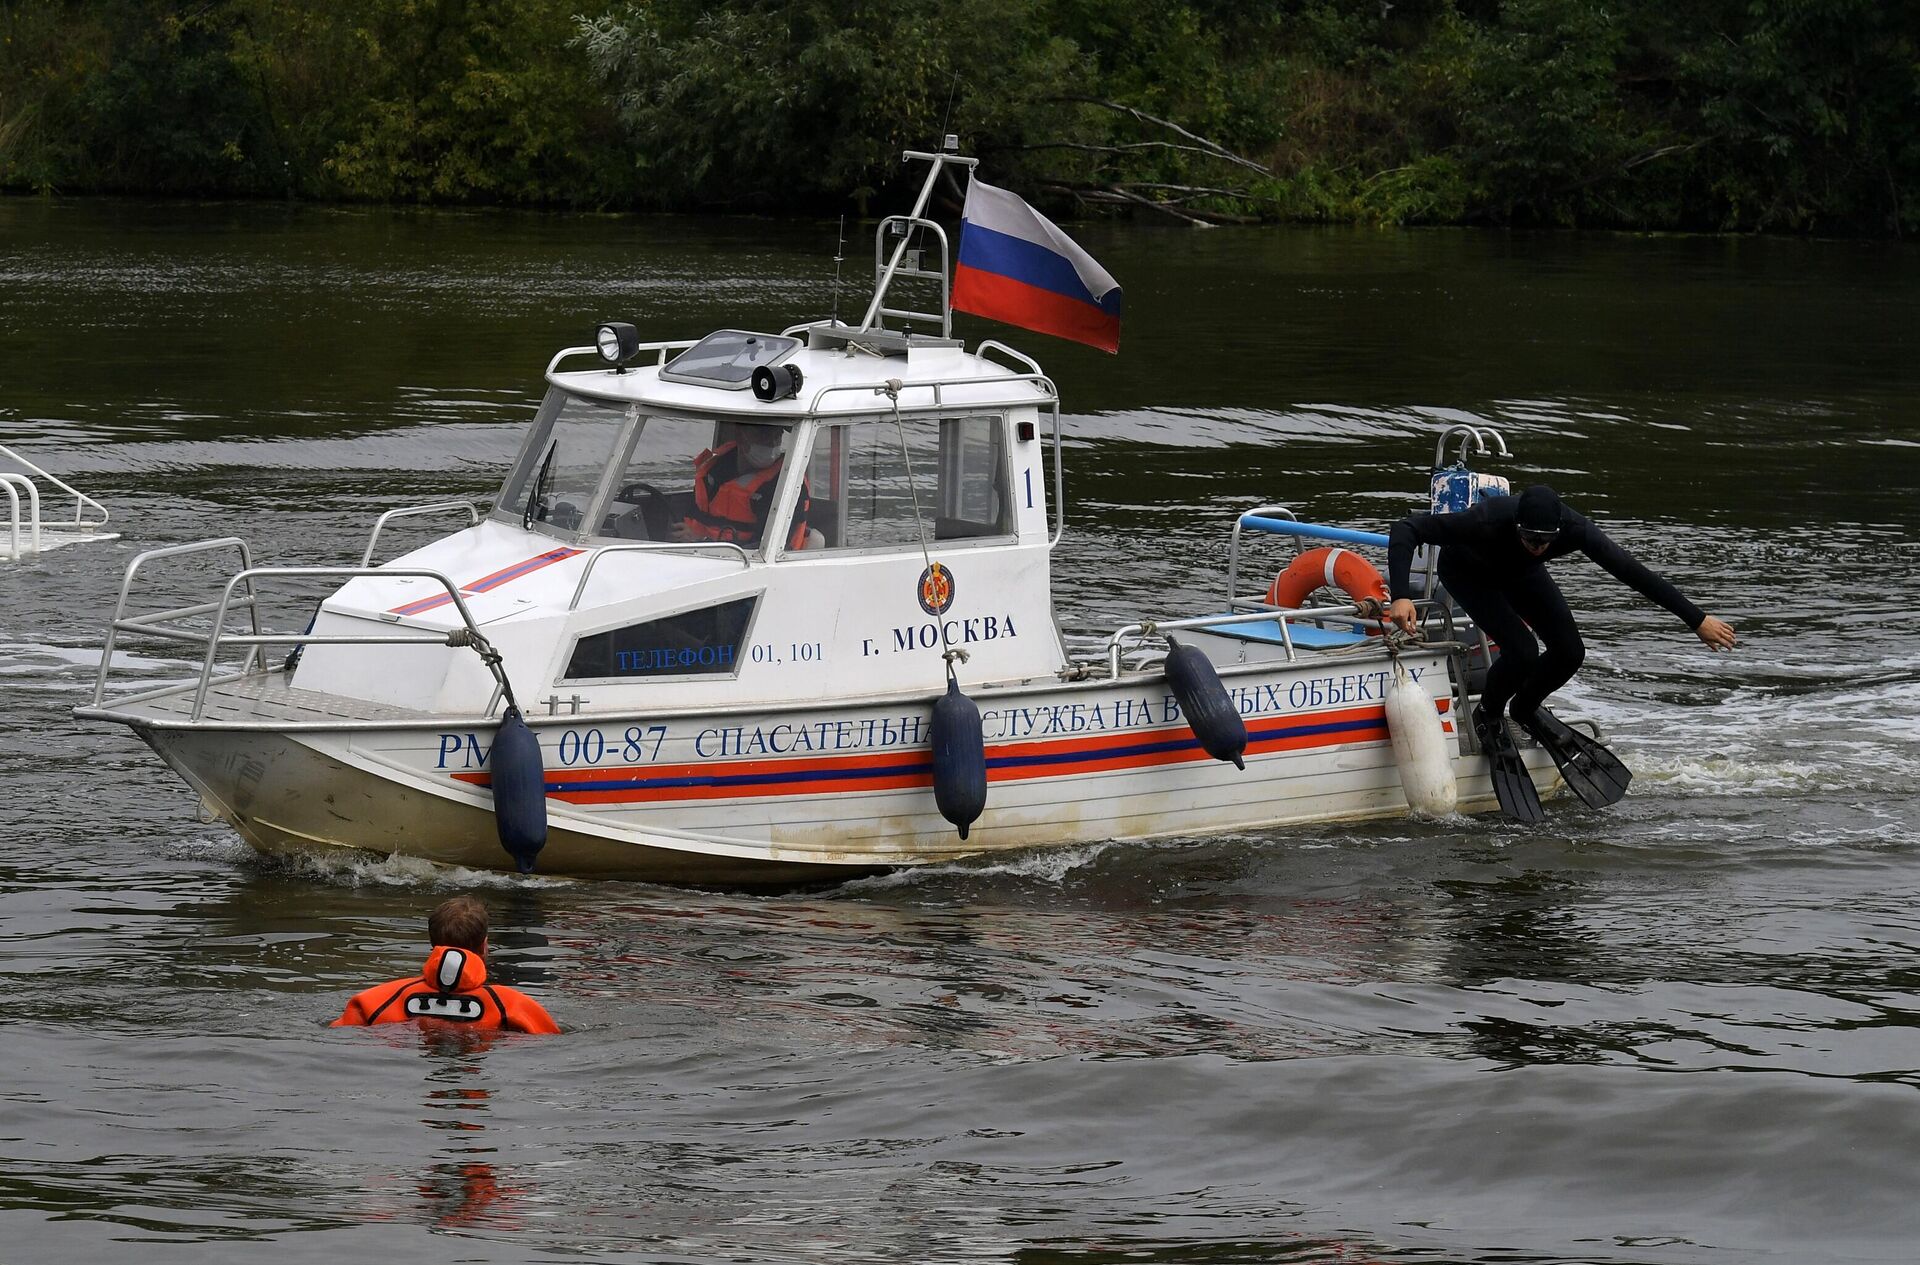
(1016, 266)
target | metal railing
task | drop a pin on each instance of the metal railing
(33, 525)
(885, 273)
(1233, 548)
(474, 515)
(171, 625)
(1282, 616)
(12, 482)
(81, 501)
(662, 348)
(593, 558)
(1278, 520)
(1472, 438)
(142, 624)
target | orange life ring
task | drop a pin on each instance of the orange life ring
(1327, 567)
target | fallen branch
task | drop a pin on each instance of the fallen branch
(1197, 191)
(1131, 147)
(1623, 167)
(1207, 146)
(1116, 195)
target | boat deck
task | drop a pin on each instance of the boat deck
(264, 698)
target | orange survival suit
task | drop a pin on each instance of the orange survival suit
(452, 987)
(732, 503)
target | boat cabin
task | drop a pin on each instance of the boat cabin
(751, 518)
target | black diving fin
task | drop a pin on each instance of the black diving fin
(1590, 771)
(1512, 784)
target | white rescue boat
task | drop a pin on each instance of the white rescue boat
(716, 704)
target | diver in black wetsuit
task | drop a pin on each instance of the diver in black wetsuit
(1493, 561)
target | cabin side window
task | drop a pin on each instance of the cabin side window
(710, 641)
(871, 490)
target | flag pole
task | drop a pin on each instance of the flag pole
(939, 161)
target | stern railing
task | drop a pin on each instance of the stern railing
(1139, 632)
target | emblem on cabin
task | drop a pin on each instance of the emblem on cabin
(936, 589)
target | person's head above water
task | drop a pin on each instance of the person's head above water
(1537, 518)
(460, 922)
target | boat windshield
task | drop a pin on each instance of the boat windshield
(560, 470)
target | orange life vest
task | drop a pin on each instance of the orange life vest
(451, 988)
(732, 504)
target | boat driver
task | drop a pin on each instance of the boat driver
(1493, 561)
(733, 488)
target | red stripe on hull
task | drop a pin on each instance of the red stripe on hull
(838, 775)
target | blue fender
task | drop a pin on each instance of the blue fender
(1204, 701)
(959, 758)
(519, 790)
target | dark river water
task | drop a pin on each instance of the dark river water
(1685, 1029)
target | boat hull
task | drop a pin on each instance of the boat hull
(796, 795)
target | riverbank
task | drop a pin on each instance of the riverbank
(1767, 115)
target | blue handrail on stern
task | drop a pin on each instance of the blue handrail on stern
(1288, 527)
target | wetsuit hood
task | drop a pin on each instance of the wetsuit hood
(453, 970)
(1538, 509)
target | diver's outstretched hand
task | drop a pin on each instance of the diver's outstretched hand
(1717, 633)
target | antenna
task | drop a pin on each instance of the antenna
(947, 120)
(839, 257)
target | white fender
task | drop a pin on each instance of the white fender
(1420, 747)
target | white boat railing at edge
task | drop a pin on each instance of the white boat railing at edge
(12, 481)
(662, 546)
(672, 344)
(473, 508)
(168, 625)
(1283, 616)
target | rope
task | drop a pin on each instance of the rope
(949, 652)
(489, 656)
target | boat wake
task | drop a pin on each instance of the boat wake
(1051, 866)
(346, 868)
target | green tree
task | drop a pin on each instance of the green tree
(471, 100)
(1798, 115)
(755, 103)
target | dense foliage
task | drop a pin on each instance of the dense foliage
(389, 100)
(1800, 115)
